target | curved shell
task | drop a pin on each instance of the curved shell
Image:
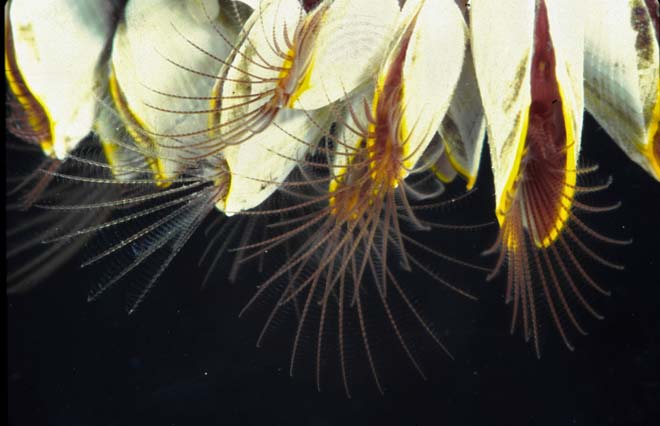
(506, 30)
(429, 54)
(259, 165)
(463, 129)
(54, 74)
(351, 41)
(622, 77)
(165, 56)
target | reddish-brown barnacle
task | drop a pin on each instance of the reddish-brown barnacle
(42, 63)
(622, 76)
(533, 106)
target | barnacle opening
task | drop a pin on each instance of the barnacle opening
(543, 178)
(385, 146)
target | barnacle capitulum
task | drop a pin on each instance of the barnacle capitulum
(259, 165)
(533, 103)
(408, 102)
(269, 105)
(290, 58)
(350, 39)
(54, 74)
(622, 76)
(54, 52)
(165, 56)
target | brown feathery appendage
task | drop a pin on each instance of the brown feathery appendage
(555, 272)
(353, 236)
(37, 182)
(538, 235)
(179, 212)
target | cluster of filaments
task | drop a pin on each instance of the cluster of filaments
(353, 116)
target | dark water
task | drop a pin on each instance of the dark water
(185, 358)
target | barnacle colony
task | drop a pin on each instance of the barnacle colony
(353, 112)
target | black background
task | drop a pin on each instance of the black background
(186, 359)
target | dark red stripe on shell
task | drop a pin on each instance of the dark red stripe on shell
(544, 162)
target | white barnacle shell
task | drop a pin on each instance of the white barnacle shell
(288, 58)
(165, 56)
(52, 55)
(430, 69)
(463, 129)
(622, 76)
(271, 95)
(259, 165)
(349, 44)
